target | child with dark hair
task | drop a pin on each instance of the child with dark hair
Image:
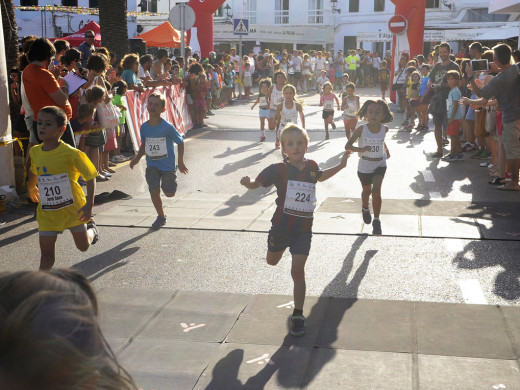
(373, 154)
(263, 100)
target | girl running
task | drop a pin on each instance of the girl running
(264, 113)
(275, 96)
(373, 154)
(350, 106)
(327, 99)
(287, 112)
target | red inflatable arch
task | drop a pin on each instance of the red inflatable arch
(203, 27)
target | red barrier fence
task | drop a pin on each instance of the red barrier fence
(176, 110)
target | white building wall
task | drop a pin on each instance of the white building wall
(51, 25)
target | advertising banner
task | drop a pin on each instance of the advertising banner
(176, 110)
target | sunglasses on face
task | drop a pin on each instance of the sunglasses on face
(89, 36)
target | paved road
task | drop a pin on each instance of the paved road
(215, 337)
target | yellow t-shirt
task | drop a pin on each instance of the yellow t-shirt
(61, 196)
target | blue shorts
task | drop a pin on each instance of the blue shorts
(470, 115)
(264, 113)
(279, 239)
(272, 113)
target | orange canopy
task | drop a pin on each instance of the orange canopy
(163, 35)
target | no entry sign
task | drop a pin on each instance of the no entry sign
(398, 24)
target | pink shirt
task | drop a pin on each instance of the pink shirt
(327, 101)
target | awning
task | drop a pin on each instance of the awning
(499, 33)
(163, 35)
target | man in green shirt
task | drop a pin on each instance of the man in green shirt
(351, 64)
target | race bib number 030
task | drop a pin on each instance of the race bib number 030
(377, 149)
(300, 199)
(55, 192)
(156, 148)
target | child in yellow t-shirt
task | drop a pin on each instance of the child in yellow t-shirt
(55, 168)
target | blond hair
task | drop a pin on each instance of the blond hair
(291, 128)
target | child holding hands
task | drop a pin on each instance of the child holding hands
(295, 180)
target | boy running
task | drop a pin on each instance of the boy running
(56, 168)
(157, 139)
(295, 180)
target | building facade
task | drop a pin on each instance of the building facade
(302, 24)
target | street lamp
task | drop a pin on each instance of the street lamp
(228, 12)
(334, 4)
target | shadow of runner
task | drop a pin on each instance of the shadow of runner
(225, 372)
(99, 265)
(244, 163)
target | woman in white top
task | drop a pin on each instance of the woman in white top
(373, 154)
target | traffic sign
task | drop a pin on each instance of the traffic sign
(175, 17)
(240, 26)
(398, 24)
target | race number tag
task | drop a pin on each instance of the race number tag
(278, 100)
(55, 192)
(351, 111)
(263, 101)
(300, 199)
(328, 105)
(290, 119)
(156, 148)
(247, 74)
(377, 149)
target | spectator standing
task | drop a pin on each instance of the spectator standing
(87, 47)
(441, 90)
(505, 87)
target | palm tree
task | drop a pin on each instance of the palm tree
(114, 29)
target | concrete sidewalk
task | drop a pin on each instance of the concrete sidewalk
(400, 217)
(196, 340)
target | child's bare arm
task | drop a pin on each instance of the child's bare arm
(140, 154)
(182, 167)
(355, 136)
(32, 190)
(250, 184)
(257, 101)
(302, 117)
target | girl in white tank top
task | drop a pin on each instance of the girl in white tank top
(275, 95)
(288, 112)
(373, 154)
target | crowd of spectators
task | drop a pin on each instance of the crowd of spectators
(478, 110)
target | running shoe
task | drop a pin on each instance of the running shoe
(376, 227)
(209, 113)
(449, 158)
(367, 217)
(472, 148)
(92, 225)
(159, 222)
(409, 126)
(460, 157)
(262, 138)
(297, 326)
(445, 141)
